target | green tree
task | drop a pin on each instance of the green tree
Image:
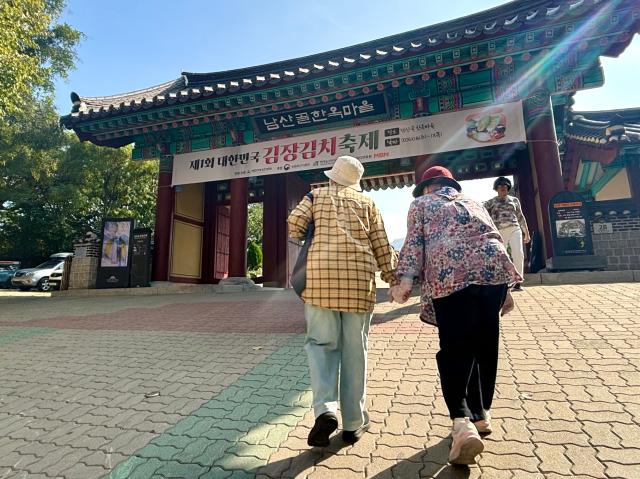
(31, 144)
(254, 258)
(35, 48)
(111, 184)
(53, 189)
(255, 223)
(254, 237)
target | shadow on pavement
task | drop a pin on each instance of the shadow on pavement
(431, 463)
(434, 465)
(397, 313)
(291, 467)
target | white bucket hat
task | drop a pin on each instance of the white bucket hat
(347, 171)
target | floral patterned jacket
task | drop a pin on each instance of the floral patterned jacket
(451, 243)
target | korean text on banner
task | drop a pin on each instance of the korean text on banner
(494, 125)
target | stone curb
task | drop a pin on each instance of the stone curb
(161, 290)
(569, 277)
(583, 277)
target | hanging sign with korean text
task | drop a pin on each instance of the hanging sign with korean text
(473, 128)
(351, 109)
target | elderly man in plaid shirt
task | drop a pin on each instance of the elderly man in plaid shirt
(349, 245)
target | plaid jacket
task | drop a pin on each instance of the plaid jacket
(349, 245)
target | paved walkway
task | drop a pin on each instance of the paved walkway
(216, 386)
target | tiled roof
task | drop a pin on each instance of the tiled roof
(512, 16)
(144, 97)
(605, 127)
(375, 183)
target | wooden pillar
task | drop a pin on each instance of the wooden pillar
(164, 211)
(544, 158)
(527, 195)
(238, 239)
(210, 229)
(527, 191)
(275, 231)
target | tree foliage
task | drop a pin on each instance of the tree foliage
(34, 49)
(254, 237)
(255, 223)
(53, 189)
(254, 257)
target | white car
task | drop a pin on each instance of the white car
(38, 277)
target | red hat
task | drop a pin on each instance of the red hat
(439, 173)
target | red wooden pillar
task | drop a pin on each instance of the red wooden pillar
(223, 227)
(164, 211)
(274, 239)
(544, 156)
(282, 193)
(210, 229)
(527, 196)
(238, 239)
(527, 191)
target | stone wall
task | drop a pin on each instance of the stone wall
(622, 247)
(84, 268)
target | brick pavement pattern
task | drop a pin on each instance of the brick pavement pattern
(216, 386)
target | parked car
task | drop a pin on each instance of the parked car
(7, 270)
(55, 278)
(38, 277)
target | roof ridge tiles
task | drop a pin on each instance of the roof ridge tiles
(191, 85)
(610, 127)
(178, 83)
(446, 29)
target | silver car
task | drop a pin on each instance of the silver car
(38, 277)
(55, 278)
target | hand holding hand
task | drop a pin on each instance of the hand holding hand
(400, 293)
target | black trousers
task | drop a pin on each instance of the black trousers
(469, 330)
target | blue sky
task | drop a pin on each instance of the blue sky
(139, 43)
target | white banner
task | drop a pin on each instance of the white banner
(458, 130)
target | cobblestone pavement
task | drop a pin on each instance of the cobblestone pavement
(215, 386)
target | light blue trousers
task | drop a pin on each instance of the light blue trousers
(336, 346)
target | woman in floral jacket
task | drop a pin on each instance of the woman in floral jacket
(455, 251)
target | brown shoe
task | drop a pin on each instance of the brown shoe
(323, 428)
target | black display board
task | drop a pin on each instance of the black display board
(570, 227)
(115, 253)
(141, 258)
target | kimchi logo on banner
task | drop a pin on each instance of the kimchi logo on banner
(388, 140)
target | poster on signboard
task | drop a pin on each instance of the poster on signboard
(570, 229)
(115, 253)
(458, 130)
(115, 244)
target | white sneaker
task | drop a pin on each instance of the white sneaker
(466, 443)
(484, 425)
